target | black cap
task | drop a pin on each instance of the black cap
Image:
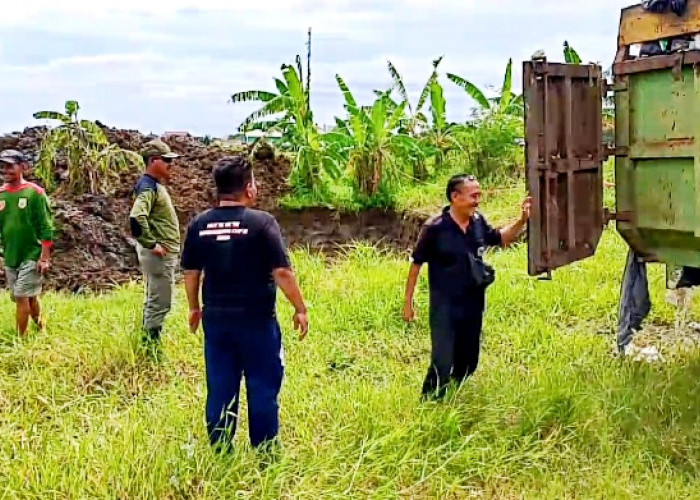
(12, 156)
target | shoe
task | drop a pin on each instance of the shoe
(152, 334)
(151, 342)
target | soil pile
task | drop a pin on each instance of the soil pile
(27, 141)
(94, 250)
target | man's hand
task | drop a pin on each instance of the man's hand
(195, 319)
(158, 250)
(409, 313)
(43, 265)
(526, 209)
(285, 279)
(301, 323)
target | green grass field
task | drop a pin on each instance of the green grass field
(551, 412)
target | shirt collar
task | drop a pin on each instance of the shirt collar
(448, 218)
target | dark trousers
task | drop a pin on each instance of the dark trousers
(234, 350)
(455, 329)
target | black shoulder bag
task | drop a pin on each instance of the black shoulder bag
(482, 274)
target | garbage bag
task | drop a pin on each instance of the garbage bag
(651, 49)
(657, 6)
(635, 303)
(690, 277)
(678, 7)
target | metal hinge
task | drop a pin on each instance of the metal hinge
(547, 276)
(615, 150)
(620, 86)
(608, 215)
(607, 87)
(623, 216)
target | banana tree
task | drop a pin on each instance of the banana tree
(415, 118)
(570, 54)
(294, 119)
(416, 121)
(369, 142)
(442, 137)
(506, 102)
(290, 102)
(93, 164)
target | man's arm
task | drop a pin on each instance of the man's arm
(511, 232)
(192, 264)
(192, 284)
(2, 255)
(284, 275)
(409, 313)
(422, 253)
(138, 219)
(44, 221)
(287, 281)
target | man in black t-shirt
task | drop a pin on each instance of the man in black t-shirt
(242, 255)
(452, 244)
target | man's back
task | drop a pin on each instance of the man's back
(237, 248)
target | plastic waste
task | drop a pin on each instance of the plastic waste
(635, 303)
(678, 7)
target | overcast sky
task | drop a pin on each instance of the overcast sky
(160, 66)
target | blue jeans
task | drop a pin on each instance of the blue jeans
(235, 349)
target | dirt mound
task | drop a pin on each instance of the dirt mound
(94, 249)
(192, 185)
(324, 229)
(27, 141)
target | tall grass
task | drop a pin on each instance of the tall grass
(551, 412)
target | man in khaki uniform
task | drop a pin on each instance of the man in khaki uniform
(155, 226)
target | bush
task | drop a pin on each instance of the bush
(493, 146)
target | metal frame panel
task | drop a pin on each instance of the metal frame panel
(565, 154)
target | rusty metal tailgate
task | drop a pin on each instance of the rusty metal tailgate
(564, 155)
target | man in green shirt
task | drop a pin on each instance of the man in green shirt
(26, 234)
(155, 226)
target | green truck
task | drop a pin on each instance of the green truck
(656, 148)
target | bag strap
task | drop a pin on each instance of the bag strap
(479, 230)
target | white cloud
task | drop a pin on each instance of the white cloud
(163, 65)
